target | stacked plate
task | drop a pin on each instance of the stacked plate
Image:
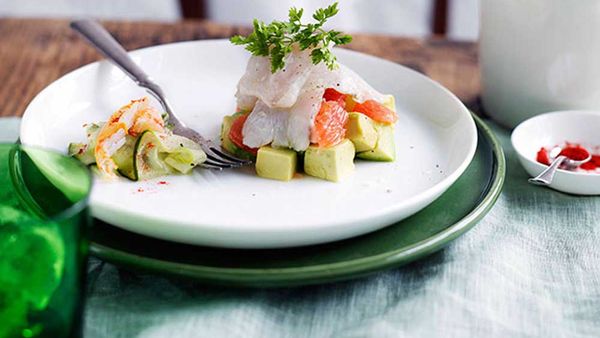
(234, 228)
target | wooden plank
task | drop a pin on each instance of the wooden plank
(33, 53)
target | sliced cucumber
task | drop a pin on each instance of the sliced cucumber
(185, 159)
(146, 157)
(85, 152)
(92, 129)
(183, 154)
(171, 142)
(149, 155)
(76, 148)
(124, 158)
(82, 152)
(158, 154)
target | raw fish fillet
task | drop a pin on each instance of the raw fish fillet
(283, 105)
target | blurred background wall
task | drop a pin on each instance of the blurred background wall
(398, 17)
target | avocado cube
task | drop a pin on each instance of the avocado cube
(276, 163)
(225, 127)
(390, 102)
(385, 150)
(361, 131)
(332, 163)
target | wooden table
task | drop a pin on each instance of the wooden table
(33, 53)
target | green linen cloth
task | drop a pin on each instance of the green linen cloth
(530, 268)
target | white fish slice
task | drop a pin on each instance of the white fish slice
(284, 104)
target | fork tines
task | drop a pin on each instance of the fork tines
(217, 159)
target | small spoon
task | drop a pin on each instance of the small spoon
(546, 177)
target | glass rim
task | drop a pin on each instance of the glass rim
(76, 207)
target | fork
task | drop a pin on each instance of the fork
(101, 39)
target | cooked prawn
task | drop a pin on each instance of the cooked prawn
(131, 119)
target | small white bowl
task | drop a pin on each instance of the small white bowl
(556, 128)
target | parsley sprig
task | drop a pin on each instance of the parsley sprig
(277, 39)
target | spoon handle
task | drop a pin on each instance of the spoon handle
(545, 178)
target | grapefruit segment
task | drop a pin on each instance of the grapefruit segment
(329, 126)
(376, 111)
(236, 136)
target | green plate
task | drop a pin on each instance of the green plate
(420, 235)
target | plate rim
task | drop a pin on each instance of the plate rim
(431, 193)
(330, 272)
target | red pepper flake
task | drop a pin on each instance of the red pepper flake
(163, 183)
(82, 150)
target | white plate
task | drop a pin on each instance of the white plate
(435, 136)
(550, 129)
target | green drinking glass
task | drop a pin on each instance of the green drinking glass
(43, 242)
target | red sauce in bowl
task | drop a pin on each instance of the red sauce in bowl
(573, 151)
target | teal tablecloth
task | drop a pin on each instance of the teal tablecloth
(531, 268)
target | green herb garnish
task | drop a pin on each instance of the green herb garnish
(276, 39)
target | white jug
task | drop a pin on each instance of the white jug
(538, 56)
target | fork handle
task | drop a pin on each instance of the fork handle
(101, 39)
